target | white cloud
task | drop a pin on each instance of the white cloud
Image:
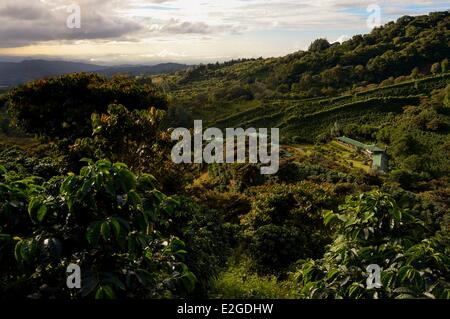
(343, 38)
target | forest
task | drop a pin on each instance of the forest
(86, 177)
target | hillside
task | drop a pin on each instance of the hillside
(143, 70)
(402, 61)
(14, 73)
(386, 87)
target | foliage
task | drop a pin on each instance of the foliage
(60, 107)
(238, 282)
(285, 225)
(419, 137)
(106, 220)
(373, 229)
(208, 239)
(134, 138)
(319, 45)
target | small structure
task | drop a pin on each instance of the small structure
(377, 155)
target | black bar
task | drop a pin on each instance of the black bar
(226, 308)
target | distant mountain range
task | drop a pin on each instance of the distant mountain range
(14, 73)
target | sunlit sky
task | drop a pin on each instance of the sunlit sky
(151, 31)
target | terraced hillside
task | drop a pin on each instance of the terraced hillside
(364, 81)
(305, 119)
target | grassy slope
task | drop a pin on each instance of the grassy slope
(354, 101)
(308, 118)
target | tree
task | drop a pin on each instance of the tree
(61, 107)
(134, 138)
(404, 145)
(319, 45)
(359, 72)
(447, 97)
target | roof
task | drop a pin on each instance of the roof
(372, 148)
(350, 141)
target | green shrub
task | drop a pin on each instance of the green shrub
(275, 247)
(238, 282)
(373, 229)
(106, 220)
(285, 224)
(61, 107)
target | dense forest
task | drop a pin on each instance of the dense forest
(86, 177)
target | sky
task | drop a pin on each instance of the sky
(153, 31)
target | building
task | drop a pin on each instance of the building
(377, 155)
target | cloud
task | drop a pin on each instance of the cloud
(28, 22)
(25, 22)
(343, 38)
(22, 12)
(239, 27)
(175, 26)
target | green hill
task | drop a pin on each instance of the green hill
(366, 79)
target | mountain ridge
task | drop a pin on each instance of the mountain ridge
(16, 73)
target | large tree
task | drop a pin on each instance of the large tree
(61, 107)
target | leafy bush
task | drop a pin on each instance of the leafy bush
(106, 220)
(134, 138)
(373, 229)
(285, 225)
(238, 282)
(61, 107)
(209, 240)
(275, 247)
(18, 160)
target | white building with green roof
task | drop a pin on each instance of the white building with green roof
(377, 155)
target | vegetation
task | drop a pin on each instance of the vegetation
(61, 107)
(373, 229)
(86, 177)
